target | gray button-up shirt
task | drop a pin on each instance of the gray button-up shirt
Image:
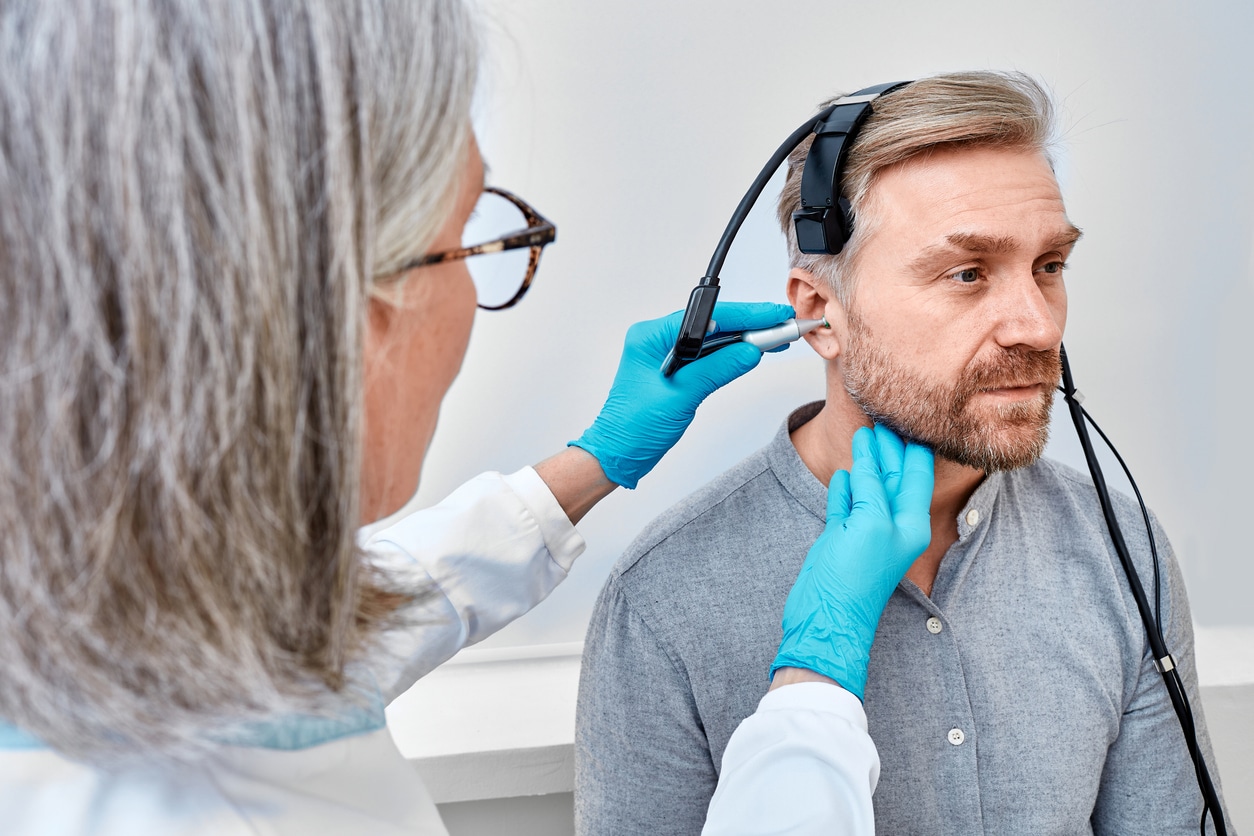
(1017, 699)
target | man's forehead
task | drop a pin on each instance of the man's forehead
(963, 176)
(986, 200)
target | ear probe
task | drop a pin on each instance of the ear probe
(764, 339)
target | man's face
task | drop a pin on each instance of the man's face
(958, 307)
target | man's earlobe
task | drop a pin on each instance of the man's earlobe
(813, 298)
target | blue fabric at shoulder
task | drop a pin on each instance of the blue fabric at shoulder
(11, 737)
(304, 731)
(290, 733)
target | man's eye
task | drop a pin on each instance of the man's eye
(966, 276)
(1053, 268)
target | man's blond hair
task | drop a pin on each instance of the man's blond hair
(980, 109)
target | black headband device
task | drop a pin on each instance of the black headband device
(823, 225)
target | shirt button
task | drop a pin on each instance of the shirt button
(973, 517)
(956, 737)
(934, 625)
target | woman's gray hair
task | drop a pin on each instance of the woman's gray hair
(196, 200)
(980, 108)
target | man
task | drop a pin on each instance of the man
(1009, 688)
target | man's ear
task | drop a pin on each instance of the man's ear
(812, 298)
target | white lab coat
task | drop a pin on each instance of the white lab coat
(802, 764)
(494, 549)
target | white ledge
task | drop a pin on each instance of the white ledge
(500, 722)
(1225, 655)
(493, 723)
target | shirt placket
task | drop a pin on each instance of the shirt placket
(953, 735)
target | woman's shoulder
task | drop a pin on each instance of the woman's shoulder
(353, 785)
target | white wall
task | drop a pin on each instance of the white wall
(637, 126)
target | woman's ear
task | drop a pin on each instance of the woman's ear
(812, 298)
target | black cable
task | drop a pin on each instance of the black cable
(1163, 660)
(693, 329)
(751, 196)
(1158, 598)
(714, 343)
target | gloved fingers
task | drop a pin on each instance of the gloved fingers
(655, 337)
(865, 479)
(839, 499)
(652, 338)
(912, 503)
(917, 477)
(891, 449)
(743, 316)
(704, 376)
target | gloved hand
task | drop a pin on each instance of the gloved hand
(878, 523)
(646, 413)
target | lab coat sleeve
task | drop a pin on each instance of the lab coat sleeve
(491, 551)
(803, 763)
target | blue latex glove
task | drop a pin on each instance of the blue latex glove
(646, 413)
(878, 523)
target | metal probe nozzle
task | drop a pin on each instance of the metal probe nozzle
(775, 336)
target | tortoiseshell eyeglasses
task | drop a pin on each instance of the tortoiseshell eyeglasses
(512, 232)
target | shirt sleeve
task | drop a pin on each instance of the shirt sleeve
(1148, 782)
(803, 764)
(491, 551)
(642, 761)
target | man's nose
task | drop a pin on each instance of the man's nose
(1029, 315)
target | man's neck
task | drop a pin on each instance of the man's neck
(823, 443)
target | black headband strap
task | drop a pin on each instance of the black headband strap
(823, 222)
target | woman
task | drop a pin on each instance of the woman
(234, 298)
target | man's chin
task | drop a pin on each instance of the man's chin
(1007, 448)
(988, 434)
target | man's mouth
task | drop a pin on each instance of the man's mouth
(1015, 389)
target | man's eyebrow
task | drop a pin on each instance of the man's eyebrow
(974, 242)
(1067, 238)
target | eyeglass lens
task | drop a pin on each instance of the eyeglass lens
(497, 276)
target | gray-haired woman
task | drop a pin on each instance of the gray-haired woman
(234, 295)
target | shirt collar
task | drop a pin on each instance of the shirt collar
(976, 514)
(788, 467)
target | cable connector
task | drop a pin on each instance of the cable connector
(1165, 664)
